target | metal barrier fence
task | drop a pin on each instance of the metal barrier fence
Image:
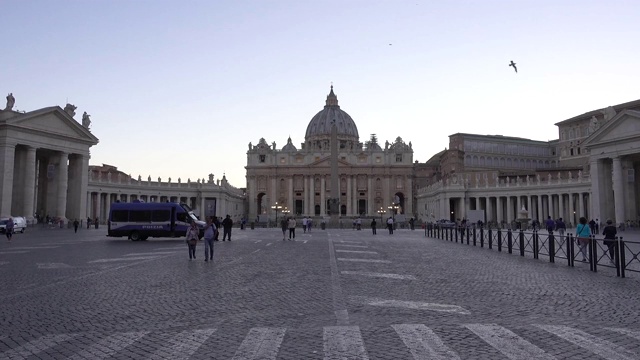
(618, 254)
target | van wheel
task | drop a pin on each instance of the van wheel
(22, 232)
(134, 236)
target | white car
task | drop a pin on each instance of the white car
(19, 224)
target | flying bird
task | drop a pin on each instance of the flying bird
(514, 66)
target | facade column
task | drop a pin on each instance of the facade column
(408, 201)
(349, 196)
(7, 160)
(30, 184)
(595, 171)
(489, 212)
(510, 216)
(253, 198)
(519, 202)
(290, 197)
(539, 213)
(571, 210)
(550, 205)
(499, 210)
(305, 195)
(354, 200)
(99, 205)
(323, 193)
(581, 204)
(312, 187)
(618, 191)
(370, 210)
(63, 180)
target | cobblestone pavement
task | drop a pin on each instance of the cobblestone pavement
(335, 294)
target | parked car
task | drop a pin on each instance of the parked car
(19, 224)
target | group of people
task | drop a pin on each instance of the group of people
(211, 233)
(585, 230)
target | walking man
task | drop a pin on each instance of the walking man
(9, 229)
(390, 225)
(227, 225)
(373, 226)
(209, 234)
(76, 223)
(292, 228)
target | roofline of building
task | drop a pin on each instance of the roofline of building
(587, 115)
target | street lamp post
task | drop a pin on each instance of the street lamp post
(381, 211)
(276, 207)
(285, 211)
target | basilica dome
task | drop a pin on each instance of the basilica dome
(320, 125)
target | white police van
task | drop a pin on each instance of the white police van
(19, 224)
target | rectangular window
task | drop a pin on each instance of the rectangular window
(140, 216)
(262, 158)
(120, 215)
(398, 157)
(160, 215)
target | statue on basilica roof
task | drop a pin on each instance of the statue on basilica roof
(86, 121)
(70, 109)
(10, 102)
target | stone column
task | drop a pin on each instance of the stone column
(83, 164)
(409, 198)
(519, 202)
(312, 195)
(253, 198)
(305, 195)
(539, 213)
(63, 180)
(499, 210)
(510, 216)
(370, 210)
(98, 205)
(323, 194)
(489, 212)
(581, 204)
(30, 184)
(618, 191)
(550, 205)
(7, 160)
(349, 196)
(572, 218)
(354, 200)
(290, 197)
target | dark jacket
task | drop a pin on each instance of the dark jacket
(227, 223)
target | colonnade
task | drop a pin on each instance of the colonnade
(43, 181)
(376, 191)
(570, 206)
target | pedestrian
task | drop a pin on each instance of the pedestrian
(96, 223)
(88, 222)
(358, 223)
(412, 224)
(304, 224)
(583, 232)
(309, 224)
(283, 225)
(550, 224)
(292, 228)
(390, 225)
(561, 227)
(227, 225)
(592, 225)
(609, 233)
(373, 226)
(9, 229)
(192, 239)
(209, 234)
(76, 223)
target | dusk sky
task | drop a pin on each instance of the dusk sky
(179, 88)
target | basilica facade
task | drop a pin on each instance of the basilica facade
(373, 179)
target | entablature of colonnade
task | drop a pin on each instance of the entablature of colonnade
(516, 185)
(124, 184)
(51, 128)
(617, 137)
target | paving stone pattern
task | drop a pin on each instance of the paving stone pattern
(334, 294)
